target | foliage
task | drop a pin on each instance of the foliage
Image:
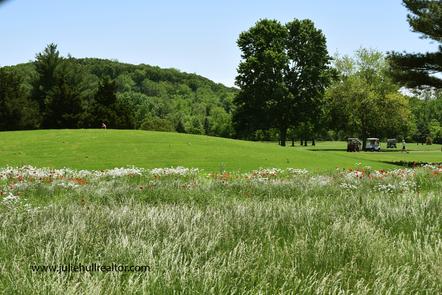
(46, 64)
(157, 124)
(64, 92)
(17, 111)
(168, 96)
(281, 77)
(427, 110)
(83, 93)
(420, 70)
(63, 102)
(362, 96)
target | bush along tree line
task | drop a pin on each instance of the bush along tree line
(65, 92)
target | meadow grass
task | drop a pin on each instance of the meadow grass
(105, 149)
(268, 231)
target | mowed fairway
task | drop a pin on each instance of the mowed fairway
(101, 149)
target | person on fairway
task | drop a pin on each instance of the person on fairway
(403, 146)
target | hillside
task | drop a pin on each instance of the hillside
(100, 149)
(137, 96)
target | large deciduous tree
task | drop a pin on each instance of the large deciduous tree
(307, 74)
(282, 76)
(421, 69)
(263, 92)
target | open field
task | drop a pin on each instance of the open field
(103, 149)
(268, 231)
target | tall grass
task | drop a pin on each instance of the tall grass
(227, 234)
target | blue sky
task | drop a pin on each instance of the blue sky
(194, 36)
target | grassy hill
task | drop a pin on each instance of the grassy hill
(100, 149)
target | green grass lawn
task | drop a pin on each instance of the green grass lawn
(100, 149)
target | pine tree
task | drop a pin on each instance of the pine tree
(46, 65)
(420, 70)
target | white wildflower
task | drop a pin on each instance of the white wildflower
(320, 180)
(296, 171)
(10, 199)
(177, 171)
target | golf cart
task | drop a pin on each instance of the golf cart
(354, 144)
(373, 145)
(391, 143)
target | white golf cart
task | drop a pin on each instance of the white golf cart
(373, 145)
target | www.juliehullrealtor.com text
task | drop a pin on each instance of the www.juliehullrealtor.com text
(93, 267)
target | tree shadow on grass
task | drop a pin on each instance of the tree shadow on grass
(344, 150)
(410, 164)
(326, 150)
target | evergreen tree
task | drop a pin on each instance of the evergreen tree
(16, 110)
(64, 102)
(417, 70)
(180, 126)
(46, 64)
(108, 109)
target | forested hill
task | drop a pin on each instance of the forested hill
(168, 99)
(138, 73)
(57, 92)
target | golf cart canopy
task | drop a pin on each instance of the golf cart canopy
(350, 139)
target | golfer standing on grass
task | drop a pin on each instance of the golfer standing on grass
(403, 146)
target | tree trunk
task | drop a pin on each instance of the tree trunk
(302, 142)
(313, 142)
(282, 136)
(305, 142)
(293, 141)
(364, 140)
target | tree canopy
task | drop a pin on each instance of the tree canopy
(65, 92)
(282, 76)
(364, 101)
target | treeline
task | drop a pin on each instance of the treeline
(362, 100)
(65, 92)
(290, 88)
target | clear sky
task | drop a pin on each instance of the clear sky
(197, 36)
